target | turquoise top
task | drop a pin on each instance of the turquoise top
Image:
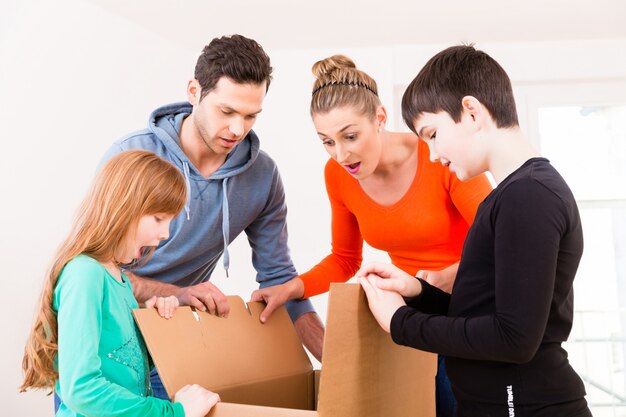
(102, 359)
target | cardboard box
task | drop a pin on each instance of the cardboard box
(262, 369)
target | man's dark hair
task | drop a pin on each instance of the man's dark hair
(454, 73)
(239, 58)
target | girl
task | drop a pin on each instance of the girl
(84, 343)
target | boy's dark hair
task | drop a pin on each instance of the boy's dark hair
(454, 73)
(239, 58)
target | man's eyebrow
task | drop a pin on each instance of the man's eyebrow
(227, 107)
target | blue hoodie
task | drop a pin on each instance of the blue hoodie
(254, 203)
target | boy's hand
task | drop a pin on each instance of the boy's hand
(395, 279)
(382, 303)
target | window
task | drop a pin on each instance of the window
(582, 130)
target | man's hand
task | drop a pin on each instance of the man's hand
(382, 303)
(444, 279)
(395, 279)
(204, 297)
(311, 331)
(278, 295)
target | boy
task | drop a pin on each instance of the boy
(512, 302)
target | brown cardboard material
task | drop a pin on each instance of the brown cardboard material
(262, 369)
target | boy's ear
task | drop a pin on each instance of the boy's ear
(474, 109)
(193, 92)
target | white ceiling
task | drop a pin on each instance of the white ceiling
(291, 24)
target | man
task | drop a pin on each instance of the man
(232, 186)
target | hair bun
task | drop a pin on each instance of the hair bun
(323, 70)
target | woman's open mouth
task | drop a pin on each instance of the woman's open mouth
(353, 168)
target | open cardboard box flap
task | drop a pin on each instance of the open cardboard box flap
(262, 369)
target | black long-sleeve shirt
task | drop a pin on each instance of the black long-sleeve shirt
(512, 303)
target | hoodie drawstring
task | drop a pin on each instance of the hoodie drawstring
(225, 224)
(225, 213)
(188, 184)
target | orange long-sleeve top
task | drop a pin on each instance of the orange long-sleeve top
(424, 230)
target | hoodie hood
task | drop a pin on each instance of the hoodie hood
(165, 123)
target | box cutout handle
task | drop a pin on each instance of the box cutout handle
(195, 314)
(248, 308)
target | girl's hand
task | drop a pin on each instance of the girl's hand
(196, 400)
(165, 305)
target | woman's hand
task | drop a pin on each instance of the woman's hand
(444, 279)
(277, 295)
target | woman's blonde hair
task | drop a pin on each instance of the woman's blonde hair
(130, 185)
(339, 83)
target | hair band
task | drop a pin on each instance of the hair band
(353, 84)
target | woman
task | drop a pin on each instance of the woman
(383, 189)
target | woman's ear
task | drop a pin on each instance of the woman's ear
(381, 117)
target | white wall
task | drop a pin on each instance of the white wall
(74, 78)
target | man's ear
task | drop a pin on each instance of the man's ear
(474, 111)
(193, 92)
